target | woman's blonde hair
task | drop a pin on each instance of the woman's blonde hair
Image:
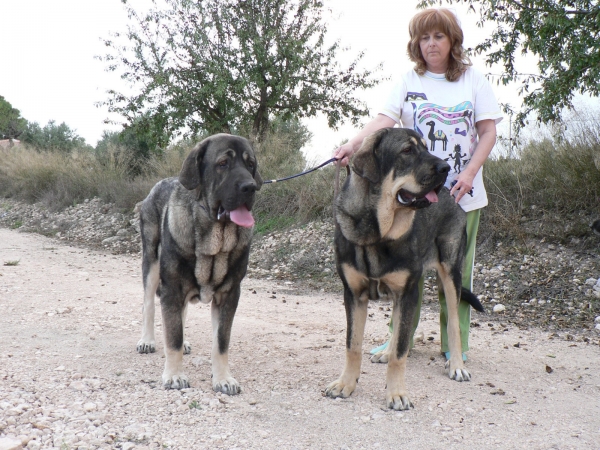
(445, 21)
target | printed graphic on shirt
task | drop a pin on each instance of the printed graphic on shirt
(449, 131)
(411, 96)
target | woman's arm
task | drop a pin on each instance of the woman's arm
(486, 130)
(344, 152)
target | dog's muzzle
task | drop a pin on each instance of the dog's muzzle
(410, 200)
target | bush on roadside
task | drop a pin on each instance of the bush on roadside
(549, 187)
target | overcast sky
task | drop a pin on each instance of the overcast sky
(49, 71)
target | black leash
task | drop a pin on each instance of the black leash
(302, 173)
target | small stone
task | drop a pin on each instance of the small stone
(10, 444)
(89, 406)
(499, 308)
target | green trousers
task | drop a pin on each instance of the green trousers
(464, 309)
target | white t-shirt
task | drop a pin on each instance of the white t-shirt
(444, 113)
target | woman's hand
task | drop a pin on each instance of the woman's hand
(486, 130)
(463, 185)
(343, 153)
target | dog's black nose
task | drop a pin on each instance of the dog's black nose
(248, 188)
(442, 167)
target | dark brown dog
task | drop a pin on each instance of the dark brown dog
(394, 220)
(196, 232)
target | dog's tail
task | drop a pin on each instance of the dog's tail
(471, 299)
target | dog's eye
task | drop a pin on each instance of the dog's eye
(407, 150)
(250, 164)
(223, 163)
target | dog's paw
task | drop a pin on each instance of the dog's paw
(398, 401)
(380, 357)
(187, 348)
(144, 346)
(175, 382)
(228, 386)
(457, 373)
(340, 389)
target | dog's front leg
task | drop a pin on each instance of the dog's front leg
(172, 312)
(403, 311)
(356, 317)
(223, 310)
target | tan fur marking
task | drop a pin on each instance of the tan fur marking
(396, 280)
(180, 224)
(355, 279)
(424, 142)
(230, 237)
(402, 223)
(414, 140)
(454, 341)
(204, 268)
(392, 225)
(213, 244)
(220, 267)
(395, 376)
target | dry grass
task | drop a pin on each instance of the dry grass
(550, 187)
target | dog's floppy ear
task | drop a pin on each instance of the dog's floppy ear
(189, 176)
(366, 161)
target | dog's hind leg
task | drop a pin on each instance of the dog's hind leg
(223, 309)
(451, 283)
(356, 317)
(147, 343)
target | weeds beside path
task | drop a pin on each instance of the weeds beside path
(550, 286)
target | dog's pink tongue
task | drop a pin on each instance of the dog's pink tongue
(242, 217)
(432, 197)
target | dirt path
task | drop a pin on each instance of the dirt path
(70, 377)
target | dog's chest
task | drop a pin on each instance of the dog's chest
(215, 249)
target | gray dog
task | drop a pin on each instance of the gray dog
(196, 231)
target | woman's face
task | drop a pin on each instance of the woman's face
(435, 48)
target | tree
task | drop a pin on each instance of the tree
(53, 137)
(12, 124)
(140, 140)
(218, 65)
(563, 34)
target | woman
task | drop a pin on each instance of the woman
(453, 107)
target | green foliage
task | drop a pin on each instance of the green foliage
(12, 124)
(562, 34)
(141, 140)
(53, 137)
(220, 65)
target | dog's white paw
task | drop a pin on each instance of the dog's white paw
(398, 401)
(228, 385)
(339, 388)
(175, 381)
(187, 348)
(144, 346)
(457, 373)
(380, 357)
